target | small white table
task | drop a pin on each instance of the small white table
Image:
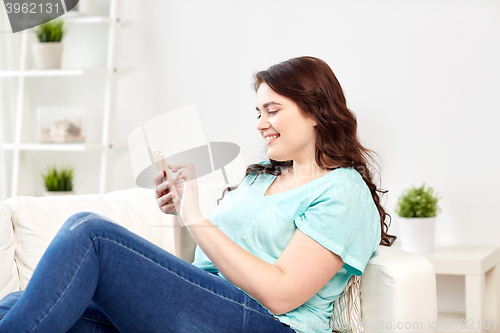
(473, 263)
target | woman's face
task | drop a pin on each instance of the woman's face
(279, 115)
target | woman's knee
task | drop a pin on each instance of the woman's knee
(8, 302)
(90, 219)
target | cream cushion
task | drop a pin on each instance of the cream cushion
(37, 220)
(9, 280)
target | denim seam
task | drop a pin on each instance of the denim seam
(65, 290)
(96, 320)
(243, 305)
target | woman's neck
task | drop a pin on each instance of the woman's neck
(307, 170)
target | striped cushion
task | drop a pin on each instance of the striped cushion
(347, 309)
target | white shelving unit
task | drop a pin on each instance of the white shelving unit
(109, 74)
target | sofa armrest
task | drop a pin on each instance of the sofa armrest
(398, 292)
(9, 279)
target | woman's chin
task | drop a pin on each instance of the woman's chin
(277, 158)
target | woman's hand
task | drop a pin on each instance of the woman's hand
(188, 205)
(164, 194)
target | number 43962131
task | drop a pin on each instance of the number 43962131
(31, 8)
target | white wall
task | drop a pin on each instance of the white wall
(423, 78)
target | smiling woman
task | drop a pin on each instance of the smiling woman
(316, 115)
(312, 209)
(278, 250)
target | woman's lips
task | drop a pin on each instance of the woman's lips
(270, 141)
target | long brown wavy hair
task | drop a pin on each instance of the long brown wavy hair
(311, 84)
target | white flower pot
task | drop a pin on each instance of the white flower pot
(417, 234)
(54, 193)
(47, 55)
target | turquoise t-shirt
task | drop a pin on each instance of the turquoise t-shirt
(336, 210)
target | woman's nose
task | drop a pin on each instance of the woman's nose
(262, 124)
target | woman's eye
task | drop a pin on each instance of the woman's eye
(269, 112)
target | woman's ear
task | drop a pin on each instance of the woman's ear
(313, 121)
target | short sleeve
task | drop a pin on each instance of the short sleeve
(345, 220)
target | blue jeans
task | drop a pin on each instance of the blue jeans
(97, 276)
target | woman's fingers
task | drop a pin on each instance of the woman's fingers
(179, 165)
(169, 209)
(161, 189)
(164, 191)
(166, 187)
(181, 168)
(173, 167)
(165, 205)
(178, 175)
(165, 199)
(186, 173)
(162, 197)
(158, 177)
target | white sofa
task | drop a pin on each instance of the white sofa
(398, 289)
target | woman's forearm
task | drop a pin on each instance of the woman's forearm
(261, 280)
(184, 243)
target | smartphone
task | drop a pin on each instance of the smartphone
(161, 164)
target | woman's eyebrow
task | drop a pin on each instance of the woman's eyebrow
(268, 104)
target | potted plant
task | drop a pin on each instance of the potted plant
(58, 181)
(48, 51)
(417, 209)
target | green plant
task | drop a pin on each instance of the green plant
(51, 31)
(58, 179)
(418, 202)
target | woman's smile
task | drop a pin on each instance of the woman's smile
(271, 138)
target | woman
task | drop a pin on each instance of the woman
(278, 249)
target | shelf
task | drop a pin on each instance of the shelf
(61, 72)
(52, 72)
(94, 20)
(52, 146)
